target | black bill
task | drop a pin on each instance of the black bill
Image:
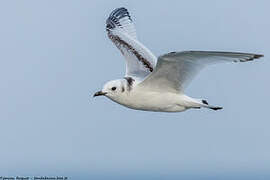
(99, 93)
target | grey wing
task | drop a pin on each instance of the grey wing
(175, 70)
(140, 61)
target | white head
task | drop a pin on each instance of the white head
(113, 89)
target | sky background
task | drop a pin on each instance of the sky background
(55, 55)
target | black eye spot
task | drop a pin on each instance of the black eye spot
(113, 88)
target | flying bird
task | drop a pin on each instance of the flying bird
(157, 84)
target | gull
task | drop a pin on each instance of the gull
(157, 84)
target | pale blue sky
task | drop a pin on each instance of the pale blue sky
(55, 55)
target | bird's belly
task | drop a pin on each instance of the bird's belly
(153, 102)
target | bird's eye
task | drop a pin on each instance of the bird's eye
(113, 88)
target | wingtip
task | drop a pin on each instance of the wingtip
(114, 17)
(122, 11)
(257, 56)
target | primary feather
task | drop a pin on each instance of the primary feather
(139, 60)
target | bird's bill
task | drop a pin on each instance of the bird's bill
(99, 93)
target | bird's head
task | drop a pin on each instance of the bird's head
(112, 89)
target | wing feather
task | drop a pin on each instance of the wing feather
(139, 60)
(174, 71)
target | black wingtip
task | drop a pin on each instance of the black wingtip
(257, 56)
(115, 16)
(119, 12)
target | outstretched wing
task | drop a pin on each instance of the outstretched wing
(121, 30)
(175, 70)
